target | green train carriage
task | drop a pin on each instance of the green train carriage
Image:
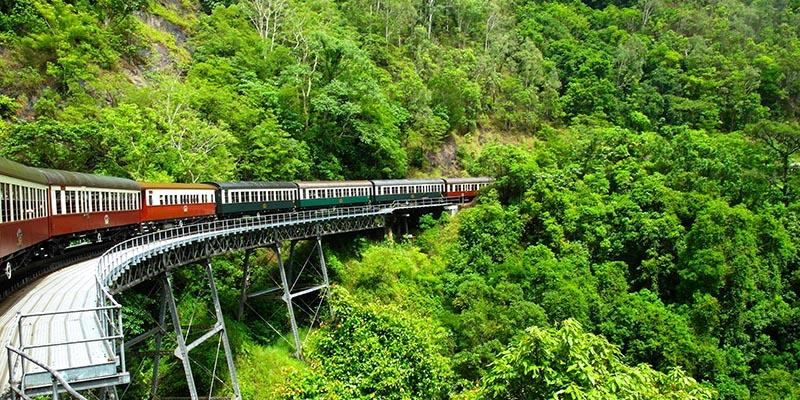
(386, 191)
(333, 193)
(240, 198)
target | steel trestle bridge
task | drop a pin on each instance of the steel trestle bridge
(64, 332)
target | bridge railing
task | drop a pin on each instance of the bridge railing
(17, 356)
(19, 351)
(113, 263)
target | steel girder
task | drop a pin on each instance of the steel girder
(150, 264)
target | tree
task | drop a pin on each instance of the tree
(568, 363)
(269, 154)
(198, 149)
(373, 350)
(629, 61)
(265, 16)
(784, 140)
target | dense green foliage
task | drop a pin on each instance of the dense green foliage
(646, 156)
(372, 351)
(574, 364)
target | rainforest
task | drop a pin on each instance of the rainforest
(641, 240)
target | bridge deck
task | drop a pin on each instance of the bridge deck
(70, 288)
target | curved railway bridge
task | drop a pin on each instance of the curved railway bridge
(64, 332)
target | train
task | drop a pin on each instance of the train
(44, 212)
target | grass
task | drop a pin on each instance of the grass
(260, 368)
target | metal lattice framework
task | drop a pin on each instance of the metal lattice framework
(181, 246)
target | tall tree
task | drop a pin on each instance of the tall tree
(265, 16)
(784, 140)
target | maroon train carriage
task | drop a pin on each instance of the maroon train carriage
(23, 215)
(465, 187)
(91, 207)
(167, 204)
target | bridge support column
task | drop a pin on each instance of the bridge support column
(324, 267)
(162, 317)
(245, 282)
(224, 332)
(287, 296)
(183, 349)
(293, 274)
(182, 352)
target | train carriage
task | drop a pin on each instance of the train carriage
(240, 198)
(335, 193)
(466, 188)
(167, 202)
(85, 204)
(23, 212)
(404, 189)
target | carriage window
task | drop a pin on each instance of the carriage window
(78, 201)
(15, 203)
(59, 207)
(9, 203)
(26, 203)
(41, 209)
(69, 202)
(3, 202)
